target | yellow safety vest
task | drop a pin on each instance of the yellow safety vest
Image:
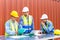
(12, 27)
(27, 21)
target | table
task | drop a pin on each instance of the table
(37, 37)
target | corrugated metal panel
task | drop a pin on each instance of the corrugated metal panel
(37, 8)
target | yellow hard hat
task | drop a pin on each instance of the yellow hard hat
(57, 32)
(14, 14)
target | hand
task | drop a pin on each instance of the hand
(42, 23)
(16, 32)
(39, 32)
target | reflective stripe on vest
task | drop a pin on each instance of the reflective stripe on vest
(14, 27)
(27, 21)
(47, 24)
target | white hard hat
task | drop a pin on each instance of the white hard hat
(44, 16)
(25, 9)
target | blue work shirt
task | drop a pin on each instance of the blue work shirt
(28, 27)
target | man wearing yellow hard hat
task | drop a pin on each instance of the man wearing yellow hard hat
(26, 21)
(11, 26)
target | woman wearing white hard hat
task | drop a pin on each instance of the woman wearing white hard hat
(26, 21)
(46, 25)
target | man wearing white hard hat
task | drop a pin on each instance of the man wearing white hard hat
(26, 21)
(46, 25)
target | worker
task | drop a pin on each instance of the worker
(46, 25)
(26, 21)
(11, 26)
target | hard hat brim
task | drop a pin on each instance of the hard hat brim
(43, 18)
(15, 16)
(25, 11)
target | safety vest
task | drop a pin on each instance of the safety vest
(48, 22)
(13, 27)
(27, 22)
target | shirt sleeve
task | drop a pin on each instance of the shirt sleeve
(41, 28)
(20, 23)
(33, 24)
(46, 29)
(8, 30)
(51, 27)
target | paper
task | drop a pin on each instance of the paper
(37, 33)
(17, 36)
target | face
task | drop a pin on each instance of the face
(13, 18)
(44, 20)
(26, 13)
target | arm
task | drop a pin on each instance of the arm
(20, 23)
(7, 28)
(41, 28)
(49, 28)
(44, 28)
(32, 24)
